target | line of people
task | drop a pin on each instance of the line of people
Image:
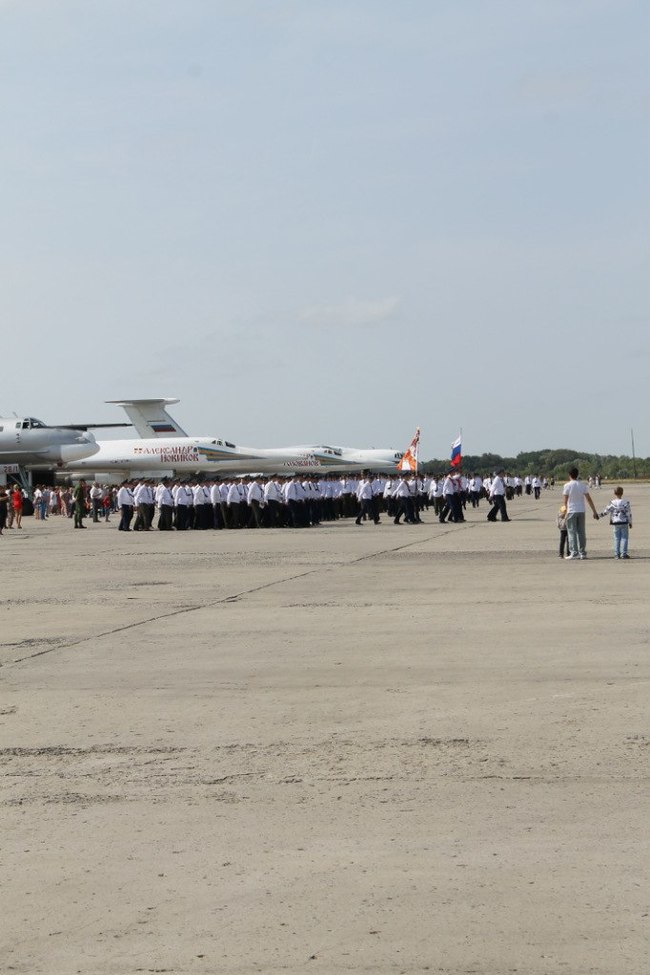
(278, 502)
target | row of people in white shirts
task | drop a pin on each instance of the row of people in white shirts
(262, 490)
(246, 490)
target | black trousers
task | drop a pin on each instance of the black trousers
(498, 506)
(367, 509)
(255, 515)
(452, 508)
(406, 510)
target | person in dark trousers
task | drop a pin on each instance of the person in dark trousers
(498, 498)
(79, 497)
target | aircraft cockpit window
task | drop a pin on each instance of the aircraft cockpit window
(25, 424)
(36, 424)
(231, 445)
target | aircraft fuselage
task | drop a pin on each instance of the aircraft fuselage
(192, 454)
(31, 443)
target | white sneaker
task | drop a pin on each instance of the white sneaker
(567, 557)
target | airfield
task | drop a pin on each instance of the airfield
(374, 749)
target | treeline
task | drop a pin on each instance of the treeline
(551, 463)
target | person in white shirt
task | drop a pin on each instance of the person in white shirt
(182, 499)
(37, 497)
(327, 498)
(498, 497)
(390, 506)
(143, 498)
(165, 504)
(233, 501)
(403, 500)
(348, 488)
(274, 503)
(475, 486)
(294, 496)
(202, 507)
(96, 494)
(451, 496)
(316, 501)
(437, 483)
(55, 502)
(364, 497)
(223, 494)
(255, 501)
(125, 504)
(575, 494)
(215, 501)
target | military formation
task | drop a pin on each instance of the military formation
(294, 502)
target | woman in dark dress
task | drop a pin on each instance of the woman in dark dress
(4, 501)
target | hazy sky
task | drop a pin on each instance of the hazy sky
(330, 220)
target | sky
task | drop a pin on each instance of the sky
(330, 221)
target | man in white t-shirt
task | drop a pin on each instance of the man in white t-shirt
(575, 494)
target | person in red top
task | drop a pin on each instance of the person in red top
(17, 505)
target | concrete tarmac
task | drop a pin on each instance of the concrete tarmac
(343, 749)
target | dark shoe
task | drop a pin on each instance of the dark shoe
(626, 556)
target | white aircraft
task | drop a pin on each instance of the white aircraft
(356, 458)
(27, 442)
(157, 451)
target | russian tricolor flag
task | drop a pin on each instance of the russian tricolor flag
(456, 452)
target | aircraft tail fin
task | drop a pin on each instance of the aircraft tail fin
(150, 418)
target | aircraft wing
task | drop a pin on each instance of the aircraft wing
(88, 426)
